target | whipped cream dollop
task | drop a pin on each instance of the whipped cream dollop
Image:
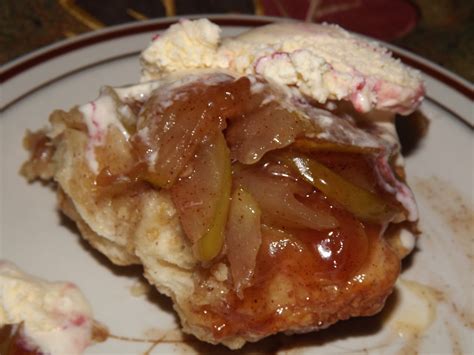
(185, 45)
(324, 62)
(55, 316)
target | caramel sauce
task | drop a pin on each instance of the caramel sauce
(41, 152)
(297, 273)
(41, 147)
(100, 332)
(336, 254)
(132, 181)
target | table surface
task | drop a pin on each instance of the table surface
(441, 31)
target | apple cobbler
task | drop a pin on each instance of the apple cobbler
(256, 209)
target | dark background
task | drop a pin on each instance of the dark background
(440, 30)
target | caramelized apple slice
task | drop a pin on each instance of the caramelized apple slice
(243, 238)
(361, 203)
(354, 167)
(311, 145)
(174, 121)
(267, 128)
(276, 196)
(202, 198)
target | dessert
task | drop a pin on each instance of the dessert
(41, 317)
(257, 179)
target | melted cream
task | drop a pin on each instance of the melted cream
(416, 312)
(142, 91)
(391, 184)
(55, 315)
(140, 288)
(407, 239)
(99, 115)
(337, 129)
(138, 92)
(387, 133)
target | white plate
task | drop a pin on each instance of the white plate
(39, 240)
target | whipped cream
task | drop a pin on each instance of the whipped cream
(99, 115)
(185, 45)
(56, 317)
(324, 62)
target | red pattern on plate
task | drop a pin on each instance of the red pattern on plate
(382, 19)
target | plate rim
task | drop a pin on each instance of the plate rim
(30, 60)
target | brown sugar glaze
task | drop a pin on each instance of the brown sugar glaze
(290, 267)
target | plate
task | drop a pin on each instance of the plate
(431, 309)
